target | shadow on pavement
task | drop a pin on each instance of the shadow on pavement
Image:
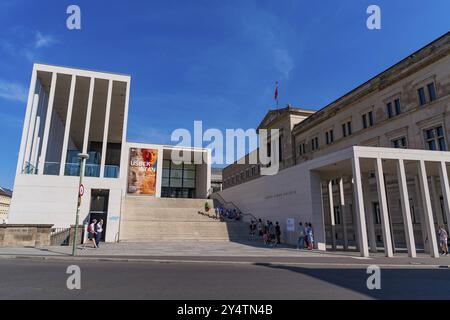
(396, 284)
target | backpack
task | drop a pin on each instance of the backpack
(89, 228)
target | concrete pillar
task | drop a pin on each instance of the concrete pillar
(420, 212)
(427, 210)
(48, 119)
(331, 206)
(384, 212)
(106, 129)
(344, 210)
(406, 209)
(26, 122)
(443, 177)
(369, 215)
(31, 131)
(67, 127)
(88, 119)
(317, 207)
(359, 208)
(436, 202)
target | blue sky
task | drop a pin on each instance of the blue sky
(209, 60)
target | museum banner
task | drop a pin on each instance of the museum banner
(142, 171)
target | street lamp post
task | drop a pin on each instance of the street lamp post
(83, 157)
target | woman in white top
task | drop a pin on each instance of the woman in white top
(98, 232)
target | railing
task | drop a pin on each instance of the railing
(225, 203)
(111, 171)
(60, 236)
(51, 168)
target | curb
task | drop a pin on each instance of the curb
(227, 262)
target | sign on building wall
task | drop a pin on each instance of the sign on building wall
(142, 169)
(290, 224)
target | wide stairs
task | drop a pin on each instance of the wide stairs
(162, 219)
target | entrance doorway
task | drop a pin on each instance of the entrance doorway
(99, 207)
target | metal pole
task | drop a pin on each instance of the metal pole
(74, 245)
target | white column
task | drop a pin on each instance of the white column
(420, 213)
(26, 122)
(48, 119)
(106, 129)
(30, 137)
(88, 118)
(35, 148)
(359, 208)
(331, 206)
(436, 202)
(384, 212)
(445, 189)
(427, 210)
(406, 209)
(343, 212)
(73, 82)
(369, 214)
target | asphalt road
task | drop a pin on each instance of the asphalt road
(36, 279)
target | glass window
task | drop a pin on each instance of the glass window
(176, 183)
(422, 99)
(364, 121)
(176, 173)
(435, 139)
(398, 107)
(431, 91)
(165, 182)
(389, 110)
(370, 118)
(189, 183)
(399, 143)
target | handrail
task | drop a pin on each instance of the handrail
(224, 202)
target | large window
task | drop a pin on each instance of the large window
(435, 139)
(347, 129)
(427, 94)
(329, 136)
(394, 108)
(178, 180)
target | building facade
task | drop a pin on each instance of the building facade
(72, 111)
(5, 203)
(394, 130)
(282, 119)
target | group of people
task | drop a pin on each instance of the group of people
(95, 231)
(306, 236)
(269, 232)
(229, 214)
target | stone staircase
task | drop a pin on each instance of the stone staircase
(163, 219)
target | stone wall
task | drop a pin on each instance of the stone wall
(24, 235)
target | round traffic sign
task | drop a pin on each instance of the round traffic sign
(81, 191)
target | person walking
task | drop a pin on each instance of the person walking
(278, 232)
(98, 232)
(443, 238)
(310, 236)
(91, 233)
(301, 237)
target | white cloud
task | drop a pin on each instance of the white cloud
(43, 40)
(13, 91)
(283, 62)
(26, 45)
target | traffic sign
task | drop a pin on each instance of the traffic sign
(81, 191)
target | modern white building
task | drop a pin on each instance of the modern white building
(72, 111)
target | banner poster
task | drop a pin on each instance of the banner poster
(142, 171)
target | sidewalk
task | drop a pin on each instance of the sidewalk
(221, 252)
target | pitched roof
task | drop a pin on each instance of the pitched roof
(5, 192)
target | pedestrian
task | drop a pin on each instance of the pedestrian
(260, 228)
(443, 238)
(91, 233)
(305, 232)
(310, 235)
(98, 232)
(301, 237)
(252, 230)
(272, 233)
(278, 232)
